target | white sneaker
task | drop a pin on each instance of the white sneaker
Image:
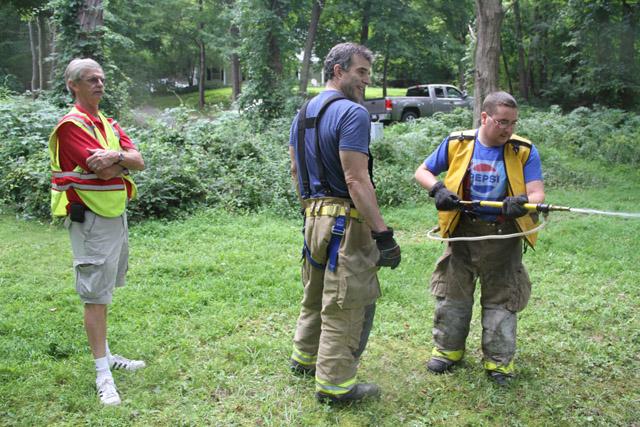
(107, 391)
(118, 362)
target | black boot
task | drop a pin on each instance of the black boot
(499, 378)
(300, 369)
(356, 394)
(439, 366)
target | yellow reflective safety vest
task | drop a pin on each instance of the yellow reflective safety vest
(106, 198)
(516, 153)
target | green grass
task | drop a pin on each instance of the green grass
(222, 97)
(211, 304)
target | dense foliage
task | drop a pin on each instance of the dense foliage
(226, 162)
(570, 53)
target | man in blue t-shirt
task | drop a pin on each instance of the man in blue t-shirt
(345, 237)
(487, 164)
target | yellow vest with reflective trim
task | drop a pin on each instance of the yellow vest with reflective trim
(516, 153)
(102, 200)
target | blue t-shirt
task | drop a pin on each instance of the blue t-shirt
(344, 127)
(486, 177)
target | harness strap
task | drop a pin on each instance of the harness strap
(337, 232)
(306, 253)
(333, 210)
(305, 123)
(302, 162)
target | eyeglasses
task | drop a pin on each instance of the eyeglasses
(504, 124)
(95, 80)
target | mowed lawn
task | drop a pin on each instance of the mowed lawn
(211, 304)
(222, 97)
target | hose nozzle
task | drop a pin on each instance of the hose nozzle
(532, 207)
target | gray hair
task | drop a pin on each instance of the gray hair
(495, 99)
(76, 68)
(341, 54)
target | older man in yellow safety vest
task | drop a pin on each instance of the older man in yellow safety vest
(91, 157)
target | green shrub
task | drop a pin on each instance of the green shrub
(25, 126)
(193, 161)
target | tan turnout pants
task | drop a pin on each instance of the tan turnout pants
(505, 290)
(338, 307)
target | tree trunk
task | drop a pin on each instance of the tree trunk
(523, 85)
(90, 20)
(202, 72)
(52, 49)
(236, 80)
(385, 69)
(90, 15)
(366, 18)
(630, 18)
(489, 15)
(461, 76)
(506, 68)
(39, 27)
(34, 59)
(308, 46)
(275, 54)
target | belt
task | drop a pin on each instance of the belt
(333, 210)
(475, 219)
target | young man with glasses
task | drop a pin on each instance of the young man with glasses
(490, 163)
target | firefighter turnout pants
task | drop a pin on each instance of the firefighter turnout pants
(338, 306)
(505, 290)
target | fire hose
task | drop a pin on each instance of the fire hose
(542, 208)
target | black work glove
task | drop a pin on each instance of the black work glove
(513, 206)
(445, 200)
(388, 247)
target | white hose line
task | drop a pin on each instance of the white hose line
(432, 236)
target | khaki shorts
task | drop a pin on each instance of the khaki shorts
(100, 255)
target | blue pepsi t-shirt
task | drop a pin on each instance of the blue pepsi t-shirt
(344, 127)
(486, 177)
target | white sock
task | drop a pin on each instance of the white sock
(102, 368)
(107, 353)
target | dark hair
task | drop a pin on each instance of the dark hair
(341, 54)
(495, 99)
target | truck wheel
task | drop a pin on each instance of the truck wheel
(408, 116)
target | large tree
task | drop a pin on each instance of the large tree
(269, 58)
(316, 10)
(489, 14)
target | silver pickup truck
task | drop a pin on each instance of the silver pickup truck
(421, 101)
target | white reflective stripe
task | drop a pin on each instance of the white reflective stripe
(335, 389)
(88, 187)
(83, 124)
(78, 175)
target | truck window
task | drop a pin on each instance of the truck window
(414, 91)
(439, 92)
(453, 93)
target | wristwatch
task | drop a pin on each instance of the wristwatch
(120, 158)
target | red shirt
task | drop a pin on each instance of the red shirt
(74, 142)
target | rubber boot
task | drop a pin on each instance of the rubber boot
(356, 394)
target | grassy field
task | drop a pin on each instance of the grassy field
(211, 304)
(222, 97)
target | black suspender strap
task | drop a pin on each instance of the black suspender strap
(321, 170)
(305, 123)
(302, 163)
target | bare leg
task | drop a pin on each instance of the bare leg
(95, 323)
